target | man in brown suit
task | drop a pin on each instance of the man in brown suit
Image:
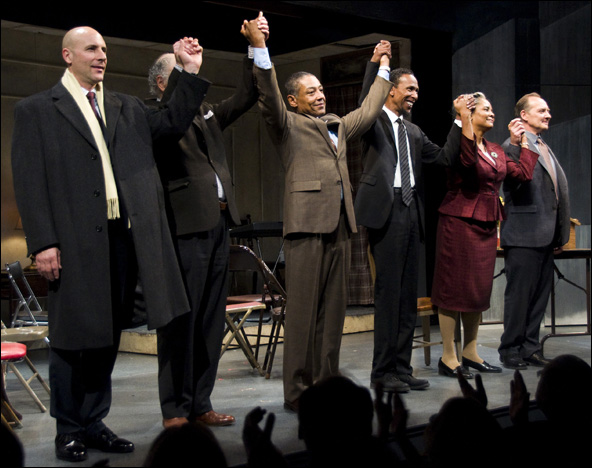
(318, 213)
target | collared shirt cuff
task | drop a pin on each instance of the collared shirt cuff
(261, 57)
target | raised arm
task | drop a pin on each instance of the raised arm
(246, 94)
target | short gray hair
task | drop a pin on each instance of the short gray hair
(161, 67)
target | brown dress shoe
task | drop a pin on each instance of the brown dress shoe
(174, 422)
(211, 418)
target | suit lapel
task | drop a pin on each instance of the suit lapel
(322, 124)
(113, 108)
(487, 160)
(67, 106)
(387, 125)
(201, 125)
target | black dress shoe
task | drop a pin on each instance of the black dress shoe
(413, 382)
(536, 359)
(107, 441)
(70, 447)
(443, 369)
(513, 361)
(481, 367)
(391, 383)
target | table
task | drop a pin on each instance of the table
(567, 254)
(256, 231)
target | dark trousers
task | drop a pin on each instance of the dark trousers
(189, 347)
(529, 273)
(395, 248)
(80, 380)
(317, 271)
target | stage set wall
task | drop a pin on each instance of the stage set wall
(548, 51)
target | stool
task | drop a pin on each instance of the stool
(13, 353)
(425, 309)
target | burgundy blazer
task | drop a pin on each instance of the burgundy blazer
(474, 181)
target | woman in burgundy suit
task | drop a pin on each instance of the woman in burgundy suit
(467, 233)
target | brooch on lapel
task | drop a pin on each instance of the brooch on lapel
(493, 154)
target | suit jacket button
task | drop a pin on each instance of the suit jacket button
(93, 156)
(96, 193)
(99, 228)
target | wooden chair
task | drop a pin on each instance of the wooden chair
(425, 309)
(236, 316)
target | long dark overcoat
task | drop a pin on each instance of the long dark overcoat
(60, 192)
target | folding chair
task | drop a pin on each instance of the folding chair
(28, 306)
(236, 316)
(271, 294)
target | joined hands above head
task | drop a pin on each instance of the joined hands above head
(382, 53)
(256, 31)
(464, 105)
(188, 54)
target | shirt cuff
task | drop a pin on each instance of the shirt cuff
(261, 57)
(384, 72)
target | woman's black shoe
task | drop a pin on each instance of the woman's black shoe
(443, 369)
(483, 367)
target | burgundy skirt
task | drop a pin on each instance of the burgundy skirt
(465, 264)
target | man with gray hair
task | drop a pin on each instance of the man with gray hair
(201, 208)
(536, 228)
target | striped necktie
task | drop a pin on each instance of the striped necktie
(93, 104)
(404, 164)
(91, 96)
(544, 152)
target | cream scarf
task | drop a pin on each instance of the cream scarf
(71, 84)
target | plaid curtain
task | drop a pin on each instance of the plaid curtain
(340, 101)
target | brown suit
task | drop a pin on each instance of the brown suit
(318, 218)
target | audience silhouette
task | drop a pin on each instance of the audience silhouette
(335, 421)
(184, 445)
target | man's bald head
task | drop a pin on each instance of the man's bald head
(85, 52)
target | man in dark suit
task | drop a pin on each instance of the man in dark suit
(390, 203)
(91, 204)
(201, 209)
(536, 228)
(318, 215)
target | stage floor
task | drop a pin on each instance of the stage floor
(135, 413)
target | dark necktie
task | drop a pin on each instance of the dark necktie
(93, 104)
(404, 164)
(544, 152)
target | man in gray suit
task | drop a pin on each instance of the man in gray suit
(536, 228)
(91, 204)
